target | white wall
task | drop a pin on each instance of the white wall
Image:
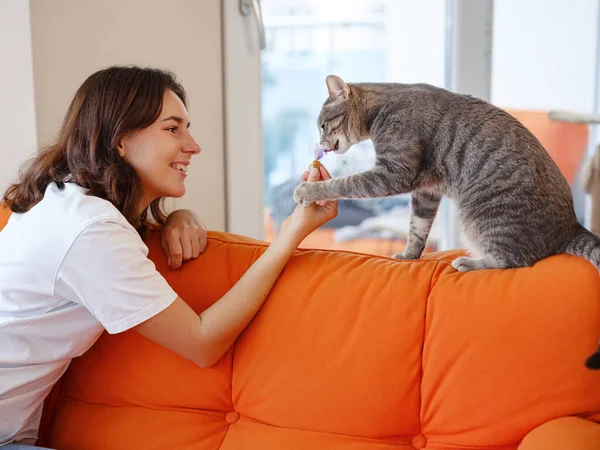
(415, 41)
(543, 57)
(17, 111)
(243, 124)
(71, 39)
(544, 54)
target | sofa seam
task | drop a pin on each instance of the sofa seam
(432, 283)
(330, 433)
(235, 343)
(339, 251)
(225, 435)
(196, 411)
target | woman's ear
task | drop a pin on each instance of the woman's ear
(121, 148)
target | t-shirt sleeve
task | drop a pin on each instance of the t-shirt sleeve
(107, 270)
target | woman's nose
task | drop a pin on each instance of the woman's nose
(191, 146)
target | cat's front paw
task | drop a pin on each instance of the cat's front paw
(306, 194)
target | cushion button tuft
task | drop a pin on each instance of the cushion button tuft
(419, 441)
(232, 416)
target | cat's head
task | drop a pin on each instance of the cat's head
(339, 122)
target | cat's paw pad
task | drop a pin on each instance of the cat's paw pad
(405, 256)
(303, 194)
(464, 264)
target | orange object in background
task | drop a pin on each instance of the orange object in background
(353, 351)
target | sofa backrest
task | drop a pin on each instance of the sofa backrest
(350, 345)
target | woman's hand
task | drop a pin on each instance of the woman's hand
(304, 220)
(183, 237)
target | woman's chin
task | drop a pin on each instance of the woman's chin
(174, 191)
(178, 193)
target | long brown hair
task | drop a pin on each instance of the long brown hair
(110, 104)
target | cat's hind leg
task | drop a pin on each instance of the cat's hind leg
(423, 208)
(466, 264)
(493, 246)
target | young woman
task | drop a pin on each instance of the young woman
(72, 258)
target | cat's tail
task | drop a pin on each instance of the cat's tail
(587, 245)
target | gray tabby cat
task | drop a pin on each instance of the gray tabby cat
(515, 205)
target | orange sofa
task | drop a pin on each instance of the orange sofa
(353, 351)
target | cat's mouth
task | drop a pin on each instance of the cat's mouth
(335, 147)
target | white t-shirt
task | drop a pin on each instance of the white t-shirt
(70, 267)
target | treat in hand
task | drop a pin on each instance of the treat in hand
(318, 152)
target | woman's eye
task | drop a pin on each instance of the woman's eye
(172, 129)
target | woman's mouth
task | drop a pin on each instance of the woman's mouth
(180, 167)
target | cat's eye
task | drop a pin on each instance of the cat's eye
(323, 126)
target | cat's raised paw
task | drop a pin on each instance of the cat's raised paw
(303, 194)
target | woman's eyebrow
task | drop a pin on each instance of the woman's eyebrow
(176, 119)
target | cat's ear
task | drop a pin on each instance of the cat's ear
(336, 86)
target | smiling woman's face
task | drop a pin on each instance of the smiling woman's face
(160, 153)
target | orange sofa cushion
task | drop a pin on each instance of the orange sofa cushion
(353, 351)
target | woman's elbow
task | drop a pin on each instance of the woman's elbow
(206, 360)
(204, 363)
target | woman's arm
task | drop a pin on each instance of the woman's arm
(205, 338)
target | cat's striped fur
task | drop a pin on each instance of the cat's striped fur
(515, 205)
